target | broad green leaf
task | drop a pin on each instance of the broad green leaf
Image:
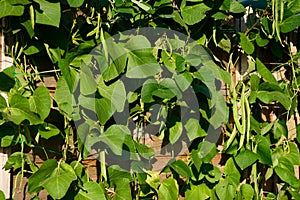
(264, 72)
(225, 190)
(20, 110)
(116, 92)
(15, 161)
(88, 84)
(232, 174)
(144, 6)
(149, 86)
(287, 176)
(3, 103)
(254, 82)
(75, 3)
(48, 130)
(63, 96)
(167, 89)
(261, 42)
(69, 74)
(91, 191)
(36, 180)
(246, 44)
(236, 7)
(198, 192)
(193, 129)
(195, 13)
(206, 151)
(104, 109)
(225, 44)
(280, 129)
(267, 86)
(263, 150)
(144, 150)
(181, 168)
(268, 97)
(290, 23)
(122, 191)
(114, 137)
(183, 80)
(10, 10)
(247, 192)
(245, 158)
(175, 132)
(58, 183)
(168, 190)
(27, 25)
(49, 13)
(141, 64)
(40, 102)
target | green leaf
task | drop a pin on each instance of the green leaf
(280, 129)
(206, 151)
(263, 150)
(291, 23)
(168, 190)
(260, 41)
(69, 74)
(63, 96)
(149, 86)
(141, 61)
(40, 102)
(287, 176)
(194, 14)
(48, 13)
(104, 109)
(264, 72)
(123, 190)
(225, 191)
(10, 10)
(247, 192)
(36, 180)
(268, 97)
(144, 6)
(3, 103)
(75, 3)
(20, 110)
(236, 7)
(88, 84)
(9, 132)
(245, 158)
(115, 92)
(198, 192)
(193, 129)
(167, 89)
(15, 161)
(60, 180)
(246, 44)
(48, 130)
(91, 191)
(175, 132)
(183, 80)
(232, 174)
(181, 168)
(114, 137)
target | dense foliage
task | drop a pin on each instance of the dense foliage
(85, 46)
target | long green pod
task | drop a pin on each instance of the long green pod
(231, 137)
(248, 115)
(235, 111)
(243, 118)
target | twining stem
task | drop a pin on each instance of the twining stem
(254, 175)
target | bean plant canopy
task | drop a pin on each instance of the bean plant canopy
(103, 79)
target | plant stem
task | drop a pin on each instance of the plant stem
(102, 161)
